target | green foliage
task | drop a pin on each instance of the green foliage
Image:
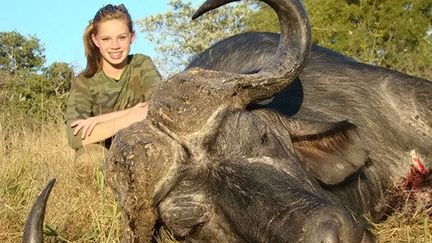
(177, 37)
(28, 90)
(395, 34)
(20, 53)
(59, 75)
(391, 33)
(263, 20)
(37, 96)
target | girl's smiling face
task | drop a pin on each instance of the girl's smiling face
(114, 39)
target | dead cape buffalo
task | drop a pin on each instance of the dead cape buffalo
(391, 110)
(207, 169)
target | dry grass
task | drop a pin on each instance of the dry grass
(406, 225)
(76, 211)
(86, 212)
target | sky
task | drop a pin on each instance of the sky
(59, 24)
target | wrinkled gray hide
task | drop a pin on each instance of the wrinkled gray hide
(206, 169)
(391, 110)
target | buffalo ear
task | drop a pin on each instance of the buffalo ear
(330, 151)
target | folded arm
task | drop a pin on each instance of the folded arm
(98, 128)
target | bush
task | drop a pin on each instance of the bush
(33, 96)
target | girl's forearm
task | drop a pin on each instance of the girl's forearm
(113, 115)
(110, 127)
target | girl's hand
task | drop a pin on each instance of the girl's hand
(87, 126)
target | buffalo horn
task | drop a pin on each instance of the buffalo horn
(34, 223)
(294, 46)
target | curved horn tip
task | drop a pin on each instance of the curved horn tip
(34, 223)
(293, 19)
(210, 5)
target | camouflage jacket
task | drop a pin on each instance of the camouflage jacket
(101, 94)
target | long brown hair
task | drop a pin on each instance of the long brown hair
(92, 53)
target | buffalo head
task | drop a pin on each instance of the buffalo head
(206, 169)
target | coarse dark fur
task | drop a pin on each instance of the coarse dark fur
(208, 170)
(392, 110)
(320, 154)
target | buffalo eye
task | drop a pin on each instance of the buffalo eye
(264, 138)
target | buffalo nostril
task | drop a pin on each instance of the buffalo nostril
(326, 232)
(335, 225)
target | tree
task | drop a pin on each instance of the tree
(178, 38)
(40, 96)
(264, 19)
(388, 33)
(60, 75)
(391, 33)
(27, 88)
(20, 53)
